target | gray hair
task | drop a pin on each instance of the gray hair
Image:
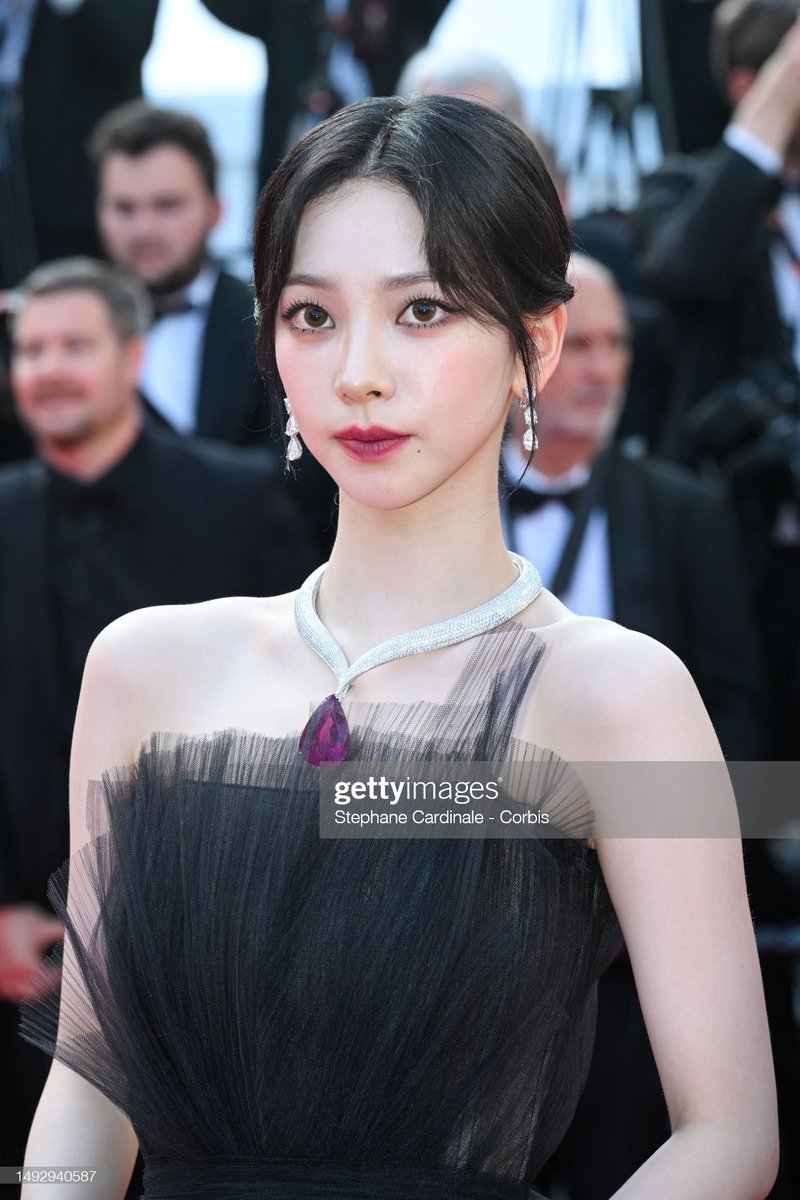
(127, 301)
(457, 73)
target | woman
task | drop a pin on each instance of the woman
(272, 1014)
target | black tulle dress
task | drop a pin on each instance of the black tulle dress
(285, 1017)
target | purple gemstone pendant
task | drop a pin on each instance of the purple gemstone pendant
(326, 736)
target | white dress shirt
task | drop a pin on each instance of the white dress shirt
(170, 377)
(542, 535)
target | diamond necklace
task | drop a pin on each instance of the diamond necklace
(326, 736)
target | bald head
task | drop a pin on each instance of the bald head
(582, 267)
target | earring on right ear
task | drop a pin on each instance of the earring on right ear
(295, 448)
(529, 439)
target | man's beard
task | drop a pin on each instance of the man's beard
(179, 277)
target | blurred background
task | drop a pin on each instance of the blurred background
(665, 491)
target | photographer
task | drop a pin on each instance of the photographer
(717, 235)
(718, 241)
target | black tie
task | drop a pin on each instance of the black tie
(524, 500)
(183, 306)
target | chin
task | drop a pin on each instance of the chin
(61, 435)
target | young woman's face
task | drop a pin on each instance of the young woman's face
(394, 392)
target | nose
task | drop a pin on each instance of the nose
(364, 372)
(602, 364)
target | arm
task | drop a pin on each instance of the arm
(698, 219)
(75, 1125)
(695, 224)
(683, 909)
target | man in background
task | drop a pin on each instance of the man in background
(111, 514)
(629, 537)
(718, 242)
(157, 205)
(717, 233)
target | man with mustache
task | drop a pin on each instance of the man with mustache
(112, 514)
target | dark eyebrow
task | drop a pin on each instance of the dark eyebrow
(394, 281)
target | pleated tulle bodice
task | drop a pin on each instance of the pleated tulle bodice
(249, 993)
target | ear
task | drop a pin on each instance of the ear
(547, 335)
(133, 353)
(217, 209)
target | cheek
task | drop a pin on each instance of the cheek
(476, 379)
(307, 371)
(190, 224)
(115, 228)
(22, 379)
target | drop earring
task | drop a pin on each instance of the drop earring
(530, 441)
(295, 448)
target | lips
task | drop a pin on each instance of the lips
(373, 443)
(56, 397)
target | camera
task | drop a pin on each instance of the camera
(749, 427)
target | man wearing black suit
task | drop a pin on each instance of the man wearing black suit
(63, 63)
(717, 235)
(718, 240)
(113, 514)
(157, 205)
(657, 548)
(642, 542)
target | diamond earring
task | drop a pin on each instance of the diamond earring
(529, 439)
(294, 449)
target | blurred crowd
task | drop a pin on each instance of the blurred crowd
(142, 463)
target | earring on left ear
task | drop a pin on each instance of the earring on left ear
(295, 447)
(529, 439)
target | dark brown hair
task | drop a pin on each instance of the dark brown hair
(495, 236)
(138, 127)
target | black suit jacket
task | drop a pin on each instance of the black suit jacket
(78, 66)
(702, 247)
(675, 576)
(294, 33)
(232, 403)
(233, 406)
(215, 523)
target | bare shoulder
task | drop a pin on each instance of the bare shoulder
(170, 635)
(611, 693)
(158, 662)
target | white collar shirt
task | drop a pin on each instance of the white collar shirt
(170, 377)
(541, 536)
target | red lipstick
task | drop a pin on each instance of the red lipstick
(373, 443)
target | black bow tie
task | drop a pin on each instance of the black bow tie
(525, 500)
(177, 310)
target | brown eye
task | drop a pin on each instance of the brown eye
(423, 311)
(314, 316)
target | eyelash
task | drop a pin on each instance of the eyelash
(294, 309)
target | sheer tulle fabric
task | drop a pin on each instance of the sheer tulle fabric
(284, 1016)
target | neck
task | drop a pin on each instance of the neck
(95, 455)
(166, 301)
(394, 571)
